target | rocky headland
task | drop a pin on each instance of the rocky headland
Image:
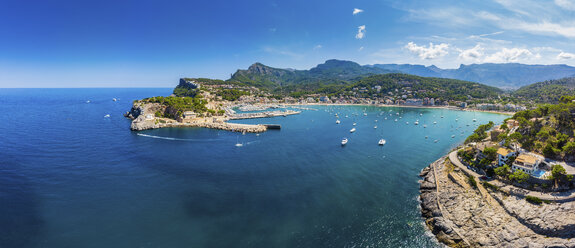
(144, 117)
(465, 214)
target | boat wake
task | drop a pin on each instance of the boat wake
(170, 138)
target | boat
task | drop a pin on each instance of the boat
(435, 141)
(364, 114)
(416, 122)
(426, 137)
(395, 119)
(424, 126)
(452, 136)
(239, 145)
(435, 122)
(354, 123)
(337, 122)
(107, 116)
(381, 142)
(114, 99)
(442, 116)
(344, 141)
(375, 126)
(352, 130)
(375, 120)
(88, 101)
(407, 123)
(346, 116)
(474, 120)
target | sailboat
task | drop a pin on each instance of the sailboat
(238, 144)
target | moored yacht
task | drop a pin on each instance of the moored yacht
(381, 142)
(344, 141)
(352, 130)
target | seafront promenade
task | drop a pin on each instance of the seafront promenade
(512, 190)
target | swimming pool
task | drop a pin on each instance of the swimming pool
(539, 173)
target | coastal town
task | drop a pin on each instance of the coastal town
(216, 102)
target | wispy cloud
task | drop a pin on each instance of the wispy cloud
(566, 4)
(544, 27)
(485, 35)
(565, 56)
(360, 32)
(357, 11)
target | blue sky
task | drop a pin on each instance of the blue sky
(152, 43)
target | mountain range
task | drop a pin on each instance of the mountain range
(504, 76)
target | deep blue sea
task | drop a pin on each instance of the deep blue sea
(70, 177)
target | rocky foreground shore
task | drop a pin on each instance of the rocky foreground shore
(463, 215)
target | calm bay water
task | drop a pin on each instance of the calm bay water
(69, 177)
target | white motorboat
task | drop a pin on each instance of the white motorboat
(344, 141)
(375, 126)
(354, 123)
(381, 142)
(337, 122)
(352, 130)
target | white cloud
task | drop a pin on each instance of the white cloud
(564, 55)
(360, 32)
(566, 4)
(507, 55)
(357, 11)
(431, 52)
(473, 54)
(543, 27)
(317, 47)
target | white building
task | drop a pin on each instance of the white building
(503, 155)
(526, 163)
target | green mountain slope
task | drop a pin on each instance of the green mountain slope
(548, 91)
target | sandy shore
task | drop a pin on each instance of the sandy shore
(404, 106)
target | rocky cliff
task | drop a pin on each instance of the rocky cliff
(461, 215)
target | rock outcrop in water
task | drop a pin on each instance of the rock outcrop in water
(142, 116)
(461, 215)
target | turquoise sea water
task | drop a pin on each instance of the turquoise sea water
(69, 177)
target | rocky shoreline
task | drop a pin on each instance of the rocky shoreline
(460, 214)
